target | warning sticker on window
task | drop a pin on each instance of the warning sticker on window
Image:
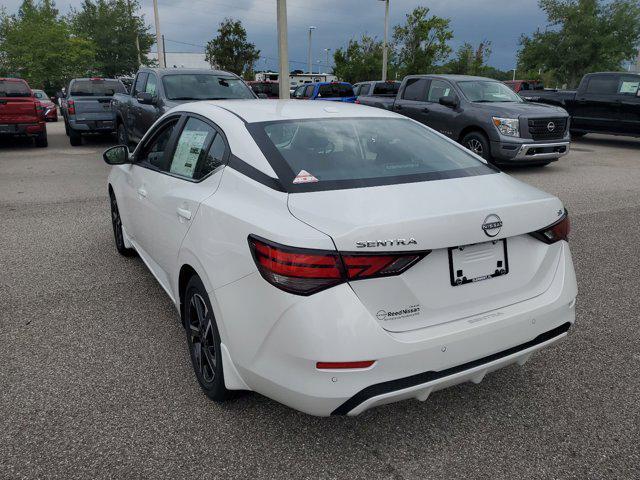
(304, 177)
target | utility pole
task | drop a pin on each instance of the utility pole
(309, 66)
(164, 52)
(326, 51)
(158, 35)
(384, 45)
(638, 62)
(514, 74)
(283, 50)
(135, 30)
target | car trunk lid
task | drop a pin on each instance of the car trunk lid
(437, 216)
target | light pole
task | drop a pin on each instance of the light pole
(384, 44)
(514, 74)
(158, 35)
(283, 50)
(326, 51)
(311, 28)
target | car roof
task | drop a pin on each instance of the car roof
(176, 71)
(252, 111)
(454, 78)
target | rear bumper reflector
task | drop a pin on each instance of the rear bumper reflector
(430, 376)
(343, 365)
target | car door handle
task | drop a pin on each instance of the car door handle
(142, 192)
(398, 107)
(425, 110)
(184, 213)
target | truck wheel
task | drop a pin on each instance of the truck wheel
(478, 143)
(75, 139)
(578, 134)
(41, 140)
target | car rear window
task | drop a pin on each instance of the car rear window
(268, 88)
(386, 88)
(12, 88)
(204, 86)
(325, 154)
(335, 90)
(96, 88)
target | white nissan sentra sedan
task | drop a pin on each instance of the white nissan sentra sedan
(338, 257)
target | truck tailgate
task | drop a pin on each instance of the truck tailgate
(85, 105)
(18, 110)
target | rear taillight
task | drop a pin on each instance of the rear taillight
(555, 232)
(71, 107)
(357, 101)
(305, 271)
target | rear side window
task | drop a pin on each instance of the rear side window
(603, 85)
(96, 88)
(346, 153)
(415, 89)
(386, 88)
(13, 88)
(308, 93)
(335, 90)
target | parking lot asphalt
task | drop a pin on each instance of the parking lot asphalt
(96, 382)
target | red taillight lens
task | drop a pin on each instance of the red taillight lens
(71, 107)
(555, 232)
(304, 272)
(357, 101)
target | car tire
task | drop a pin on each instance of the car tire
(116, 222)
(203, 341)
(577, 134)
(41, 140)
(122, 135)
(66, 128)
(478, 143)
(75, 138)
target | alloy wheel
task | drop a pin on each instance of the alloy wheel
(201, 338)
(475, 146)
(117, 223)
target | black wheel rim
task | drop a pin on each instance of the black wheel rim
(117, 223)
(475, 146)
(201, 339)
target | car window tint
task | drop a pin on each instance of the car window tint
(213, 159)
(191, 153)
(415, 89)
(141, 79)
(629, 85)
(151, 84)
(154, 152)
(603, 85)
(96, 87)
(386, 88)
(204, 86)
(335, 90)
(308, 93)
(438, 89)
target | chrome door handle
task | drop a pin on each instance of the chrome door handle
(184, 213)
(142, 192)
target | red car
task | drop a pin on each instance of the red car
(21, 113)
(50, 109)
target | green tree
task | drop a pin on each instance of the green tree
(113, 26)
(422, 41)
(231, 51)
(582, 36)
(469, 60)
(37, 45)
(361, 60)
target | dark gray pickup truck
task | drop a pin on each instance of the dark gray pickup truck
(157, 90)
(86, 107)
(484, 115)
(607, 102)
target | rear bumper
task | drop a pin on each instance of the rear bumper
(22, 129)
(106, 125)
(334, 326)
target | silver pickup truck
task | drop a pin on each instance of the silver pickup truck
(86, 107)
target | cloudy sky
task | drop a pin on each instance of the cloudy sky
(196, 21)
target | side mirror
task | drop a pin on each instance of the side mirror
(118, 155)
(262, 95)
(145, 98)
(448, 101)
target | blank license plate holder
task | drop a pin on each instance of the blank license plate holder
(478, 262)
